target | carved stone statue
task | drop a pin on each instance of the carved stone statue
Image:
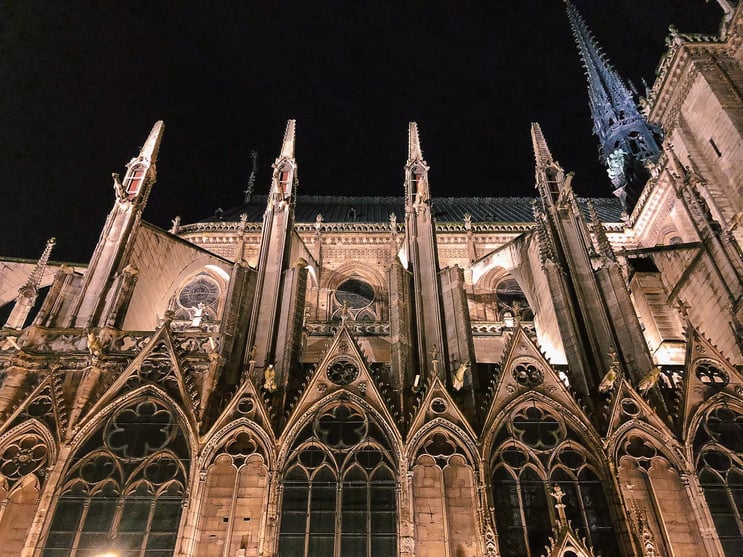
(269, 379)
(457, 380)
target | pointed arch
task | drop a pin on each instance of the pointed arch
(235, 465)
(26, 451)
(338, 487)
(445, 501)
(716, 447)
(536, 445)
(126, 480)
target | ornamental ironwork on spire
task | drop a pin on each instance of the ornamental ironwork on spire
(626, 139)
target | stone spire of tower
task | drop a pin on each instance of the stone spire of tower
(626, 139)
(30, 290)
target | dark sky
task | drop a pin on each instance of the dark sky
(83, 82)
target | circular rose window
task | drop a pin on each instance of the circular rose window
(342, 372)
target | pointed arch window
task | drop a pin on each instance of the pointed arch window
(718, 449)
(536, 452)
(125, 489)
(444, 497)
(235, 496)
(339, 491)
(22, 461)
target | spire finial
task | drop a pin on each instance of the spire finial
(541, 150)
(414, 144)
(287, 147)
(38, 271)
(251, 180)
(27, 293)
(152, 145)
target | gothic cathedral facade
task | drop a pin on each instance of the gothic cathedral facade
(402, 376)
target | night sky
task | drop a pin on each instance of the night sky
(83, 82)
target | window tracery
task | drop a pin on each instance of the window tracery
(126, 488)
(444, 496)
(197, 302)
(23, 460)
(718, 450)
(235, 496)
(358, 297)
(339, 488)
(537, 452)
(710, 374)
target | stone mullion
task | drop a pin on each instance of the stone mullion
(48, 499)
(267, 516)
(405, 511)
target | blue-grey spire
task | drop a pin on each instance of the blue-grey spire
(626, 139)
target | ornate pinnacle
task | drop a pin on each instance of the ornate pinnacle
(541, 150)
(38, 272)
(604, 247)
(415, 153)
(287, 147)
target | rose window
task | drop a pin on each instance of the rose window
(342, 372)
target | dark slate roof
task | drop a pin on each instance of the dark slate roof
(342, 209)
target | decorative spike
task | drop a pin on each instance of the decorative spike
(152, 146)
(28, 293)
(415, 153)
(604, 246)
(542, 153)
(287, 147)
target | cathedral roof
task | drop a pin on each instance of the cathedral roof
(341, 209)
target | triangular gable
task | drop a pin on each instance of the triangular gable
(567, 541)
(628, 407)
(708, 372)
(246, 403)
(437, 403)
(343, 367)
(44, 403)
(156, 364)
(526, 368)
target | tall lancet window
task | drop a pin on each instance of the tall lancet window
(718, 448)
(123, 492)
(536, 452)
(339, 489)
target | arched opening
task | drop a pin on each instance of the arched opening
(339, 495)
(536, 451)
(22, 463)
(234, 498)
(718, 454)
(125, 487)
(444, 497)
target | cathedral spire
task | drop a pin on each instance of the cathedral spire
(29, 291)
(626, 139)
